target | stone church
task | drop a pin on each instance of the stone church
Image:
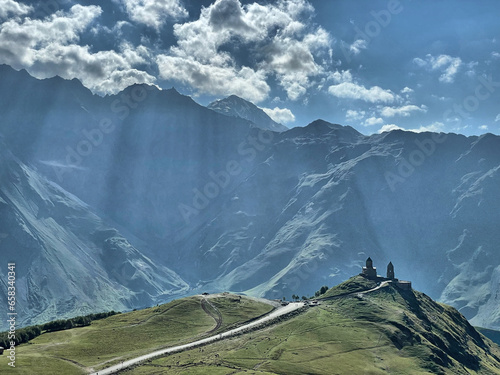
(370, 272)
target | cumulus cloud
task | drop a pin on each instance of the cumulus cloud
(217, 80)
(281, 115)
(273, 34)
(154, 13)
(350, 90)
(497, 118)
(483, 127)
(352, 115)
(11, 8)
(343, 76)
(403, 111)
(49, 46)
(407, 90)
(389, 128)
(448, 65)
(347, 88)
(435, 127)
(358, 46)
(373, 121)
(495, 55)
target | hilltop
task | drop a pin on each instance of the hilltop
(386, 331)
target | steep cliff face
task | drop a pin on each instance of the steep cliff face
(68, 260)
(235, 106)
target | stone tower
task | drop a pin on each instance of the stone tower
(369, 263)
(369, 271)
(390, 271)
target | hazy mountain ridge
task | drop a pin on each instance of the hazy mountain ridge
(237, 107)
(299, 208)
(68, 260)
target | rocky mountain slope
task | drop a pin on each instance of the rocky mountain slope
(229, 206)
(235, 106)
(68, 260)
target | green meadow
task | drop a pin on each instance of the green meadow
(117, 338)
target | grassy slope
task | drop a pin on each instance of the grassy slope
(354, 284)
(491, 334)
(125, 336)
(386, 332)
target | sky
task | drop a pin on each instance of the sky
(428, 65)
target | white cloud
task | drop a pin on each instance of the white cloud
(281, 45)
(495, 55)
(389, 128)
(350, 90)
(435, 127)
(281, 115)
(292, 60)
(448, 65)
(373, 121)
(347, 88)
(11, 8)
(339, 77)
(497, 118)
(47, 47)
(483, 127)
(403, 111)
(154, 13)
(217, 80)
(358, 46)
(440, 98)
(352, 115)
(407, 90)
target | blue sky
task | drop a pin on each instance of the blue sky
(375, 65)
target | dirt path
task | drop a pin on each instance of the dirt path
(213, 311)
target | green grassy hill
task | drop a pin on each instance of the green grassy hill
(389, 331)
(354, 284)
(124, 336)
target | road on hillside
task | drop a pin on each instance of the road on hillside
(280, 311)
(292, 306)
(382, 285)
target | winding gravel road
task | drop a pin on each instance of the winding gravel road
(273, 315)
(280, 311)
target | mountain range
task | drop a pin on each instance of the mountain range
(211, 202)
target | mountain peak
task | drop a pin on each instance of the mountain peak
(235, 106)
